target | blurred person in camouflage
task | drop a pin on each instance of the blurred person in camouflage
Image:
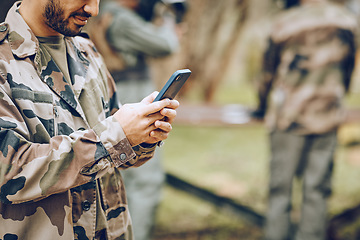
(130, 38)
(63, 137)
(306, 73)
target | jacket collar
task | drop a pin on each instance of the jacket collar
(24, 43)
(22, 40)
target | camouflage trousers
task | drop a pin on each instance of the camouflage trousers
(309, 157)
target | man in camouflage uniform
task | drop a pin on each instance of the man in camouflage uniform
(63, 137)
(307, 68)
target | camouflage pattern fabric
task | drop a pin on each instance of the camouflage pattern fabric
(308, 74)
(61, 150)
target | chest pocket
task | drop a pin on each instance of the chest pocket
(37, 110)
(93, 100)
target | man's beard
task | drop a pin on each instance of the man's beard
(55, 19)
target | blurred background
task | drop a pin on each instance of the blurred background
(216, 157)
(215, 147)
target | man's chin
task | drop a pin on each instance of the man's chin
(72, 32)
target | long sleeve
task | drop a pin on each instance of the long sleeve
(271, 61)
(130, 33)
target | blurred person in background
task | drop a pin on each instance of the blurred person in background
(307, 69)
(130, 37)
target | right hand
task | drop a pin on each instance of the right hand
(147, 121)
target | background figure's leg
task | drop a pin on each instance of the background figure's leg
(143, 185)
(286, 150)
(143, 188)
(317, 187)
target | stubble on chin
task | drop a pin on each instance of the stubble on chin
(55, 18)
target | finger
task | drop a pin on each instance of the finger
(169, 114)
(150, 98)
(152, 118)
(174, 104)
(163, 126)
(159, 135)
(156, 106)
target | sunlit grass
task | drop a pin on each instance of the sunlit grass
(352, 100)
(222, 159)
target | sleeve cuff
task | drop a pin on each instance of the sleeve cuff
(114, 140)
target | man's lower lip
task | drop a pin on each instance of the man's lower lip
(80, 21)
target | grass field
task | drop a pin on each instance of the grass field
(233, 162)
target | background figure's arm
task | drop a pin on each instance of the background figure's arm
(271, 61)
(348, 63)
(130, 33)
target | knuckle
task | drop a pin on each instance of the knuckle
(148, 121)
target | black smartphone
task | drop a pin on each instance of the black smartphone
(173, 85)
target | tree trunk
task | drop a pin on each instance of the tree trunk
(207, 47)
(214, 30)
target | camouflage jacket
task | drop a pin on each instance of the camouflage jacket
(60, 148)
(307, 68)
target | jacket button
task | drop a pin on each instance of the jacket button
(86, 205)
(3, 28)
(122, 156)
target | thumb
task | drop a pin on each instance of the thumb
(149, 99)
